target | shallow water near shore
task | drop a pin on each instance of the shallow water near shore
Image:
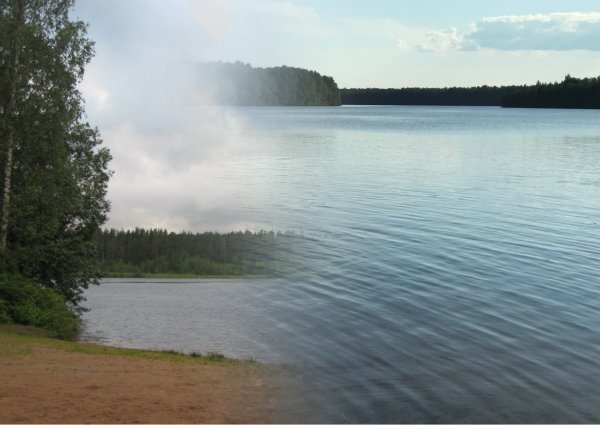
(450, 265)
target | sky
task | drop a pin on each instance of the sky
(140, 92)
(395, 42)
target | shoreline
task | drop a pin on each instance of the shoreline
(45, 380)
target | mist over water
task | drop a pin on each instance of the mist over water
(450, 265)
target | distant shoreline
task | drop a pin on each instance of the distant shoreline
(571, 93)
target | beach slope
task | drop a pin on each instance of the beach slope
(44, 380)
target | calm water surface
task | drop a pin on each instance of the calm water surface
(451, 270)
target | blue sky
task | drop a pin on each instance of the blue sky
(385, 43)
(171, 158)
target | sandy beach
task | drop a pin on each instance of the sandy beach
(49, 381)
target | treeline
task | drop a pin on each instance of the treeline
(582, 93)
(572, 92)
(449, 96)
(142, 252)
(239, 84)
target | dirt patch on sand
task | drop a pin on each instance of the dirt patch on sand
(40, 384)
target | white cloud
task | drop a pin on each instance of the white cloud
(97, 97)
(175, 159)
(555, 31)
(560, 18)
(440, 41)
(535, 32)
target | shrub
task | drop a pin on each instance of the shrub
(27, 303)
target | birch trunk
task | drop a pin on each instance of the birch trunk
(12, 115)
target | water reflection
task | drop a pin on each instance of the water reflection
(450, 266)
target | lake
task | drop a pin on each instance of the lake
(450, 265)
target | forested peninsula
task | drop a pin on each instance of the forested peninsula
(159, 253)
(582, 93)
(240, 84)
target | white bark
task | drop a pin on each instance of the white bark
(12, 116)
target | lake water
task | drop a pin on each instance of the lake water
(451, 265)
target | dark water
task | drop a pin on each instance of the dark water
(452, 272)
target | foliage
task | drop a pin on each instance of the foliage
(241, 84)
(142, 251)
(449, 96)
(572, 92)
(24, 302)
(59, 174)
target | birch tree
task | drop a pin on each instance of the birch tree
(54, 170)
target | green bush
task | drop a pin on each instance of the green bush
(27, 303)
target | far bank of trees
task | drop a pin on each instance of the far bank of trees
(240, 84)
(580, 93)
(449, 96)
(583, 93)
(156, 251)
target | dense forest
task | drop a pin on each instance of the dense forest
(582, 93)
(450, 96)
(572, 92)
(142, 252)
(240, 84)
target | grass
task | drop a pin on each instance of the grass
(17, 340)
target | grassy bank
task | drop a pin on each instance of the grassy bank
(18, 338)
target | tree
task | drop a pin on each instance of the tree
(241, 84)
(12, 42)
(54, 170)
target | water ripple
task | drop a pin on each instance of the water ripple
(450, 266)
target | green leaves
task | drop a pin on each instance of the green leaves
(27, 303)
(60, 171)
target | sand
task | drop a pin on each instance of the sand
(44, 384)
